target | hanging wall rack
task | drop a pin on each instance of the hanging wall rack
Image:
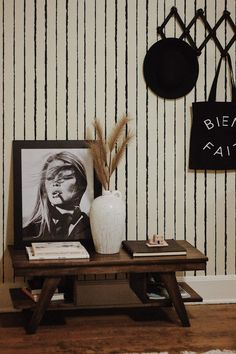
(199, 15)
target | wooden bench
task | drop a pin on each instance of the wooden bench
(165, 267)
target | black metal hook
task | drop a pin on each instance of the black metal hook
(211, 31)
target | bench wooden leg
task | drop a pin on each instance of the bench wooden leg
(49, 287)
(171, 284)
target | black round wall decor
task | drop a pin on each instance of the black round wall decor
(171, 68)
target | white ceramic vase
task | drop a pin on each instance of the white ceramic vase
(107, 220)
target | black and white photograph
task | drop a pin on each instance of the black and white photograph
(54, 186)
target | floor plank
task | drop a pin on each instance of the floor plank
(122, 331)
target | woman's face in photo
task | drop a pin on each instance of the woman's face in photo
(60, 184)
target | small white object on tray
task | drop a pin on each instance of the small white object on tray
(156, 241)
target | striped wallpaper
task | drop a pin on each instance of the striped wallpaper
(64, 62)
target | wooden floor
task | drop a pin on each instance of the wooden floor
(122, 331)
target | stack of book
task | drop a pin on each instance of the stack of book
(157, 291)
(34, 288)
(142, 249)
(160, 293)
(57, 250)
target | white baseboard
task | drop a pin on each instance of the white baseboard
(219, 289)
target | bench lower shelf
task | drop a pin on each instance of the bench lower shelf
(103, 299)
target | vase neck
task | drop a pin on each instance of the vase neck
(115, 193)
(106, 192)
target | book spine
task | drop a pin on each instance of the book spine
(59, 257)
(35, 297)
(56, 250)
(55, 247)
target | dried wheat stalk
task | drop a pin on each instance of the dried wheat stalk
(107, 154)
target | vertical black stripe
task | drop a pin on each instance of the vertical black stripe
(126, 57)
(116, 55)
(195, 208)
(215, 200)
(85, 69)
(147, 157)
(126, 111)
(175, 190)
(215, 261)
(226, 228)
(186, 117)
(205, 212)
(174, 139)
(35, 69)
(3, 137)
(136, 120)
(56, 68)
(225, 187)
(164, 164)
(195, 193)
(116, 72)
(105, 66)
(205, 172)
(24, 61)
(185, 156)
(67, 75)
(95, 59)
(14, 70)
(45, 68)
(14, 82)
(195, 173)
(157, 146)
(77, 70)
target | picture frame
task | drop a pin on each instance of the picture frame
(35, 187)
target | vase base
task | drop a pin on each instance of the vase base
(106, 252)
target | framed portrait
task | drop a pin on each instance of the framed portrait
(54, 186)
